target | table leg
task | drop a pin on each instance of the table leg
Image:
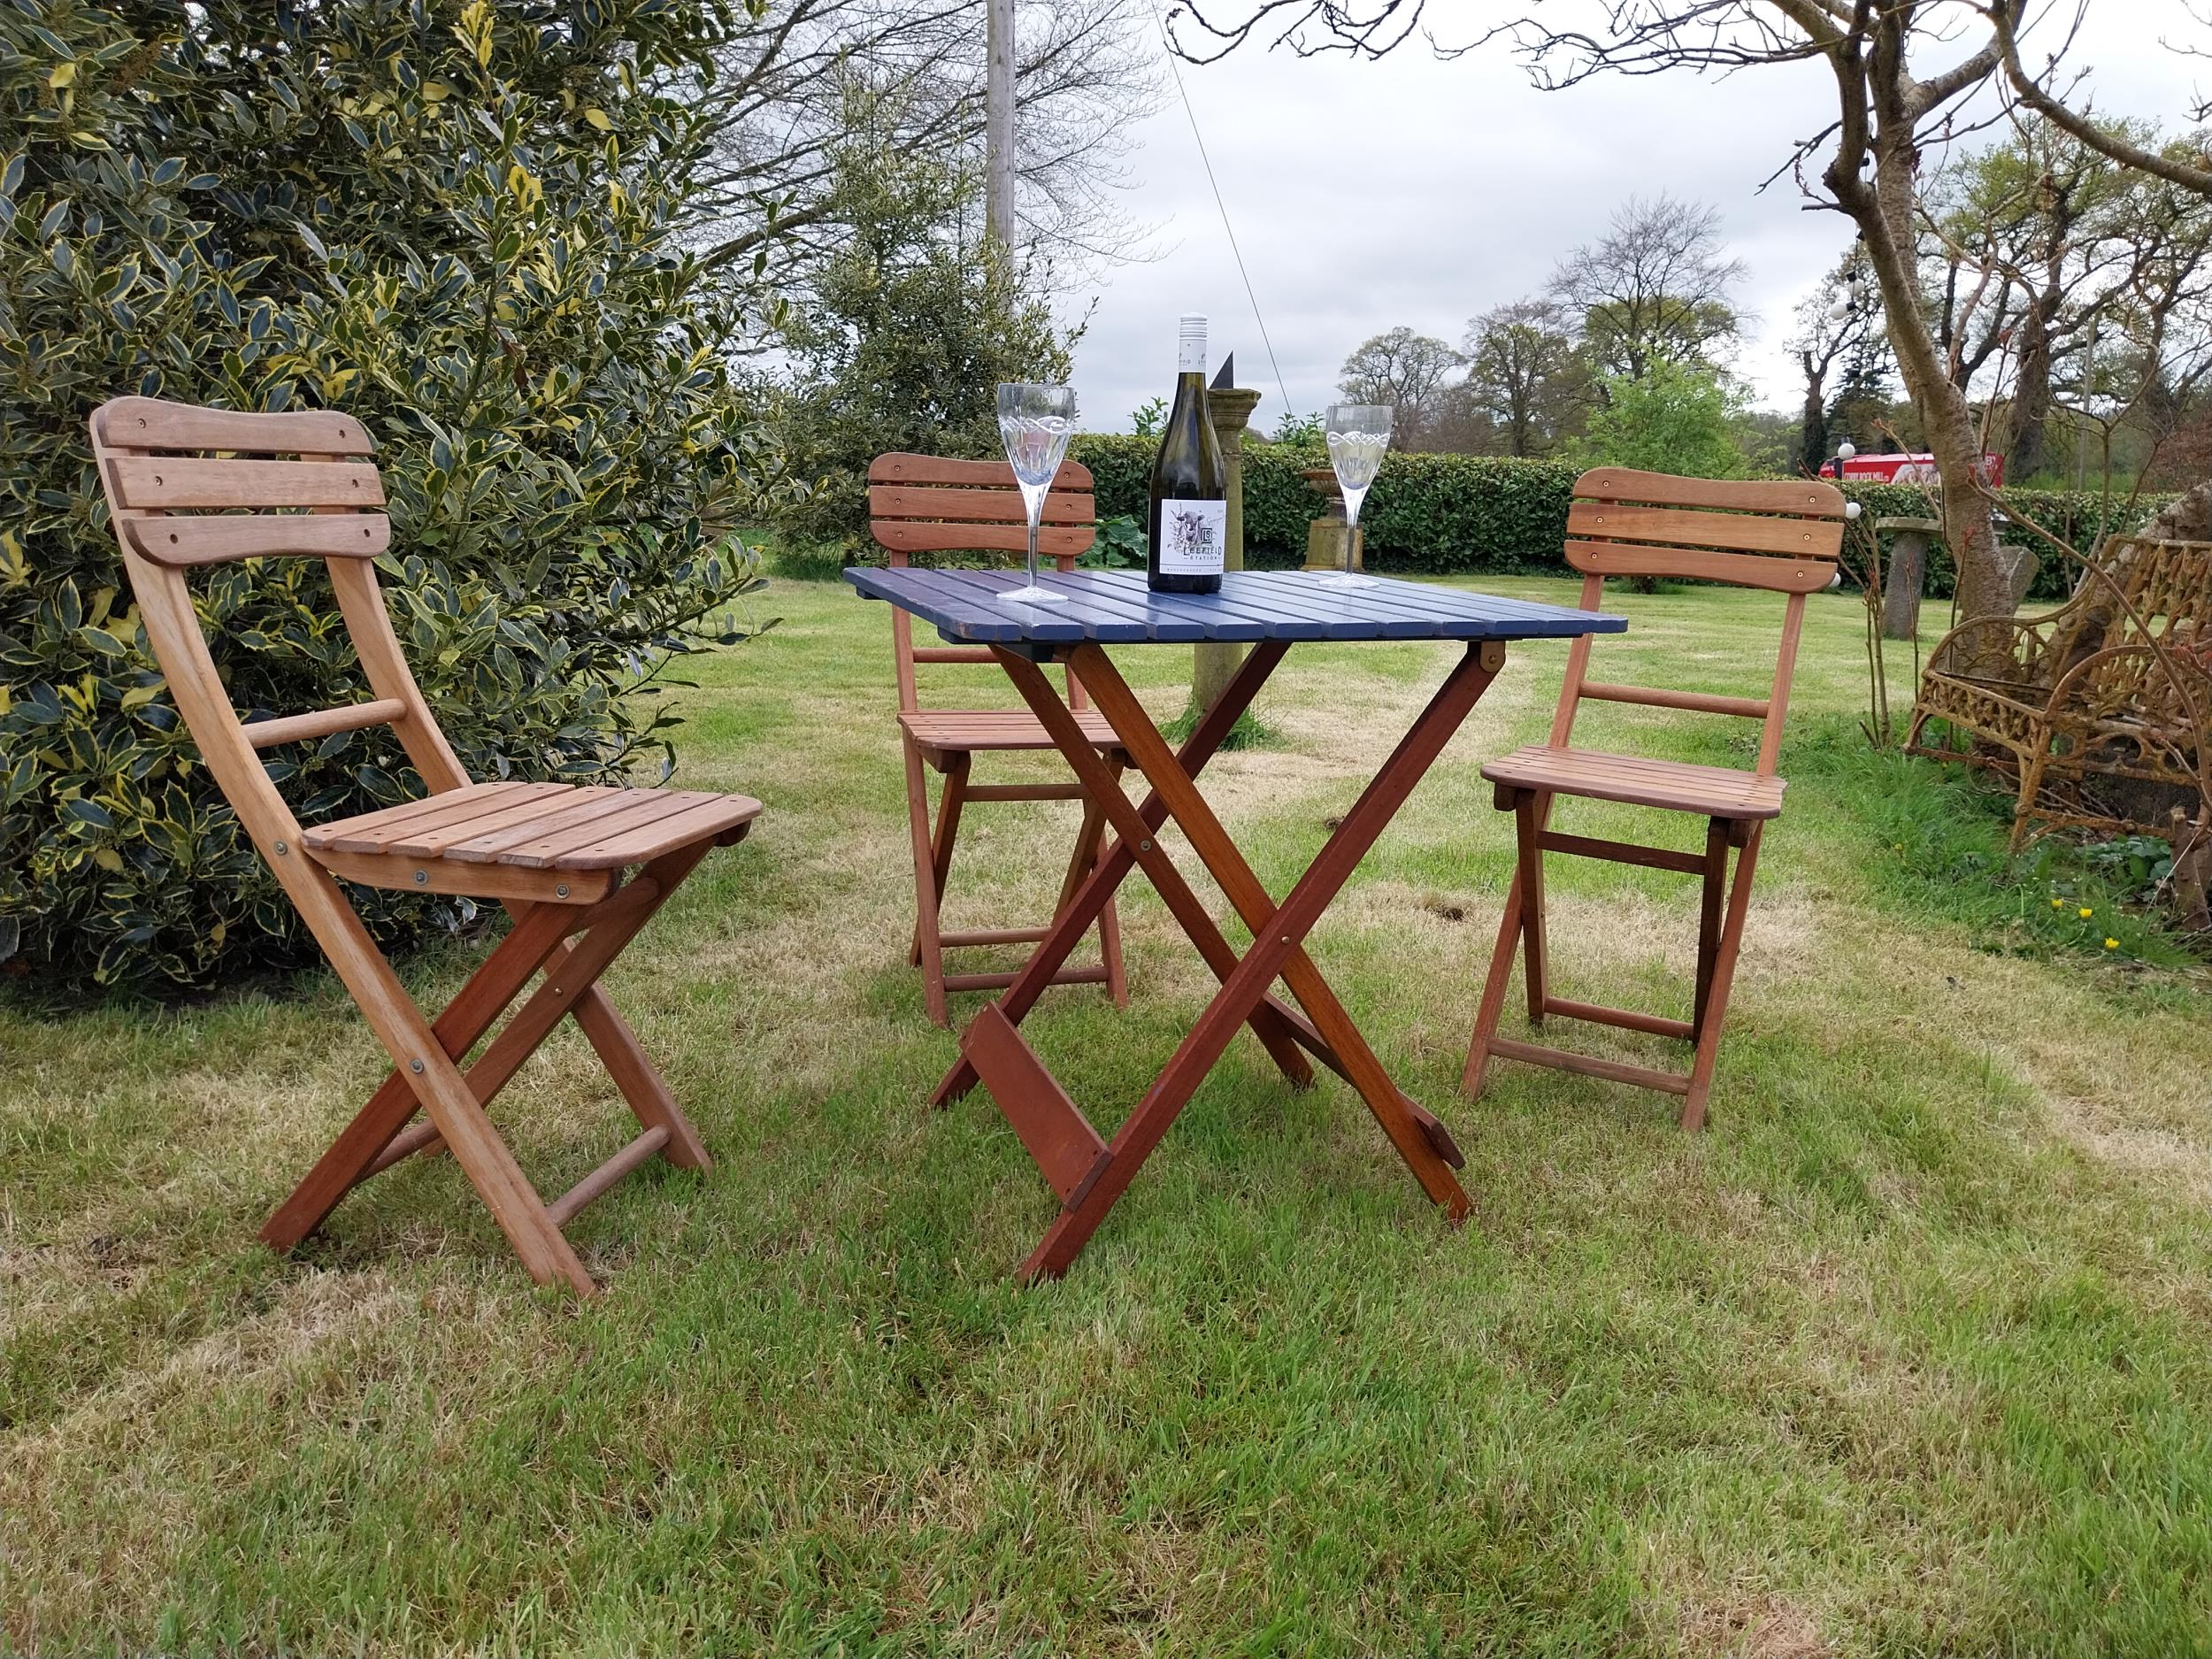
(1421, 1139)
(1244, 989)
(1075, 919)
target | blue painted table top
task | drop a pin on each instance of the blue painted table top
(1115, 607)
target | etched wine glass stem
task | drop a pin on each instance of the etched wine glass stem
(1036, 512)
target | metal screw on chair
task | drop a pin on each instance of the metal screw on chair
(421, 876)
(415, 1067)
(561, 891)
(281, 850)
(1144, 847)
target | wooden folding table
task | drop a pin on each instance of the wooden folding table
(1269, 611)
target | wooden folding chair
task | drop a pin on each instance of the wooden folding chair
(920, 503)
(1785, 537)
(188, 487)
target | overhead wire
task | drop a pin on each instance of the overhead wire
(1221, 206)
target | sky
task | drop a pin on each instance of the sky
(1409, 190)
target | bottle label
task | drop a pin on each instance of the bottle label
(1193, 536)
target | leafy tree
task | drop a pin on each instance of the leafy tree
(460, 223)
(1526, 374)
(1675, 417)
(914, 321)
(1408, 371)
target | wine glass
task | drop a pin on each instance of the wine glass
(1359, 434)
(1035, 423)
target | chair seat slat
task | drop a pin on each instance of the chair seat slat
(519, 819)
(381, 831)
(705, 815)
(587, 809)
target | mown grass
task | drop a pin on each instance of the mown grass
(1908, 1355)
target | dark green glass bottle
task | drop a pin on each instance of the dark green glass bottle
(1188, 512)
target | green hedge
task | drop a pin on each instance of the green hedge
(1460, 514)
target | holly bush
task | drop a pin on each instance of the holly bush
(460, 222)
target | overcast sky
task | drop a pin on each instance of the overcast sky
(1366, 194)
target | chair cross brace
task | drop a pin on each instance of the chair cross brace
(380, 1135)
(1089, 1173)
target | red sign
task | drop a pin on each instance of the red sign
(1905, 469)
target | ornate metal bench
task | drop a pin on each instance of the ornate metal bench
(2085, 692)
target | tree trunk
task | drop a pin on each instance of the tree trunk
(2028, 418)
(1884, 214)
(1812, 433)
(1902, 582)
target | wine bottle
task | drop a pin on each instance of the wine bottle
(1188, 511)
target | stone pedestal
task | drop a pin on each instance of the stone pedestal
(1906, 572)
(2021, 565)
(1325, 537)
(1212, 663)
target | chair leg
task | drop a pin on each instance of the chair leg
(1090, 847)
(1709, 915)
(537, 933)
(1530, 810)
(2031, 788)
(452, 1104)
(648, 1092)
(925, 890)
(1715, 1011)
(952, 795)
(1476, 1075)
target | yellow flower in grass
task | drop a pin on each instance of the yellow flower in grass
(2058, 904)
(2085, 912)
(2111, 944)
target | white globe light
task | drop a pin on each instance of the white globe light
(1850, 509)
(1846, 449)
(1842, 310)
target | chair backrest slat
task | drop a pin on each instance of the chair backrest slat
(972, 506)
(156, 424)
(169, 483)
(1784, 536)
(928, 504)
(224, 538)
(239, 500)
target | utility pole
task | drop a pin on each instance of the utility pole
(998, 116)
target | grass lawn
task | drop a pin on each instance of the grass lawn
(1912, 1353)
